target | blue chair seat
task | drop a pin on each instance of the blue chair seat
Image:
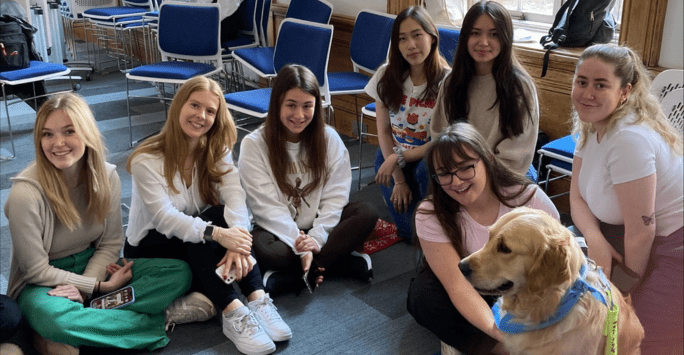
(172, 70)
(242, 40)
(34, 70)
(347, 81)
(561, 164)
(253, 100)
(109, 13)
(260, 58)
(562, 146)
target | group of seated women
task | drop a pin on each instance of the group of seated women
(454, 149)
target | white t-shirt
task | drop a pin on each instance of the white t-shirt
(475, 235)
(626, 153)
(411, 125)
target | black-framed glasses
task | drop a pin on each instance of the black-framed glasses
(464, 173)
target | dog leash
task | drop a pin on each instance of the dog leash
(509, 324)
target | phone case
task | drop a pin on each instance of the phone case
(117, 299)
(231, 275)
(310, 280)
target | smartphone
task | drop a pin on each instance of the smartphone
(310, 280)
(231, 274)
(624, 278)
(117, 299)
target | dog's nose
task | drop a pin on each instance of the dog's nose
(465, 268)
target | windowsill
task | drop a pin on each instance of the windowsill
(538, 29)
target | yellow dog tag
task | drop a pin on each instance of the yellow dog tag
(610, 328)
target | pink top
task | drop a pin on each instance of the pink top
(475, 234)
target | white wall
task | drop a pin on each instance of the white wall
(673, 36)
(351, 7)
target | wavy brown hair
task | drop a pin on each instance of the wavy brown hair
(629, 69)
(512, 80)
(93, 171)
(458, 139)
(211, 148)
(391, 85)
(313, 137)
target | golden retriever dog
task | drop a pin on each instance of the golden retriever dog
(531, 260)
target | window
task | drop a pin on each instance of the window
(541, 11)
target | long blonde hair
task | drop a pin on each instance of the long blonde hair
(629, 70)
(93, 172)
(210, 150)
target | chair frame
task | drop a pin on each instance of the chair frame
(5, 98)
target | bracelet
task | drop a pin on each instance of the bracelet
(400, 157)
(98, 286)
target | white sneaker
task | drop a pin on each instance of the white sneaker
(267, 314)
(194, 307)
(240, 326)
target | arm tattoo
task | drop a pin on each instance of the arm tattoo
(648, 220)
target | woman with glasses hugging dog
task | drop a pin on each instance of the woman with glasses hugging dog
(470, 189)
(626, 190)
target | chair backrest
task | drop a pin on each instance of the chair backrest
(148, 4)
(263, 10)
(667, 81)
(247, 16)
(673, 107)
(448, 41)
(189, 31)
(308, 44)
(318, 11)
(370, 39)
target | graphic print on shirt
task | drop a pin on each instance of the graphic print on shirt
(411, 125)
(297, 194)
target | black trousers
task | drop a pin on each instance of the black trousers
(430, 305)
(202, 258)
(10, 318)
(357, 222)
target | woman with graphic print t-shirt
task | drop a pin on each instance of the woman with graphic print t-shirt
(405, 90)
(297, 176)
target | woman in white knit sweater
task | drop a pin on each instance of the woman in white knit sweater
(65, 220)
(187, 203)
(297, 176)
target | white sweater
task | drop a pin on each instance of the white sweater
(155, 206)
(320, 210)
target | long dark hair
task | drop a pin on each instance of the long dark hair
(313, 137)
(456, 139)
(391, 85)
(513, 83)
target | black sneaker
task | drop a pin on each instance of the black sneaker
(360, 266)
(277, 283)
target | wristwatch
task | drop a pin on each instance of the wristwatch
(208, 232)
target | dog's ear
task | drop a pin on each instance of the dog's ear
(550, 268)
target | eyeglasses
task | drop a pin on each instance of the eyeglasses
(464, 173)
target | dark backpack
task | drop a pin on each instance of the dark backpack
(13, 47)
(16, 43)
(579, 23)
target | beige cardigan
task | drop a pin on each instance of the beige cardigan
(31, 225)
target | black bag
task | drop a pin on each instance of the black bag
(14, 49)
(579, 23)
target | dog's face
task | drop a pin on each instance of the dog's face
(526, 251)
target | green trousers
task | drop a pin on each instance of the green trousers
(156, 283)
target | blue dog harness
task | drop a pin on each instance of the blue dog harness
(509, 324)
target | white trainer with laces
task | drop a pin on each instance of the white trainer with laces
(242, 328)
(194, 307)
(267, 314)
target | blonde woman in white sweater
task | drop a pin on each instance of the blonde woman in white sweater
(297, 176)
(65, 220)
